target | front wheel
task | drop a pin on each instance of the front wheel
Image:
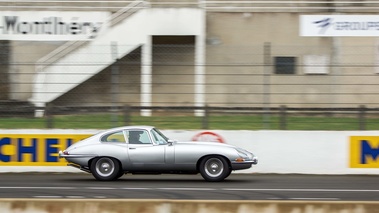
(214, 168)
(105, 169)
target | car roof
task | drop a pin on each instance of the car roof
(130, 127)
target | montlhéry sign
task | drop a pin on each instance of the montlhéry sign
(37, 25)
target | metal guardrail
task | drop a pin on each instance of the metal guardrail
(256, 6)
(360, 115)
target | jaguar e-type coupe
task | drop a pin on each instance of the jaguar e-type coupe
(145, 150)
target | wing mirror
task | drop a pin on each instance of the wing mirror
(170, 142)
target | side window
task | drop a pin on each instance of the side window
(114, 137)
(158, 137)
(138, 137)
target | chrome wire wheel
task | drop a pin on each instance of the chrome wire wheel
(105, 167)
(214, 167)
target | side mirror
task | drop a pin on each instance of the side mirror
(170, 142)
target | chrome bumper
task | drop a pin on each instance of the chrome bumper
(255, 160)
(245, 164)
(62, 155)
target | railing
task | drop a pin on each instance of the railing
(70, 46)
(181, 117)
(231, 6)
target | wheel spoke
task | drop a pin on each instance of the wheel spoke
(105, 167)
(214, 167)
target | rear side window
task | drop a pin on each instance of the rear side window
(114, 137)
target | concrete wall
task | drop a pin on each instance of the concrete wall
(171, 84)
(22, 69)
(281, 152)
(236, 40)
(182, 206)
(235, 59)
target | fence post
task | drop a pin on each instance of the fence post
(49, 115)
(5, 58)
(114, 84)
(362, 117)
(205, 120)
(266, 84)
(127, 115)
(283, 117)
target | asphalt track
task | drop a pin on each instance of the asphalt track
(236, 187)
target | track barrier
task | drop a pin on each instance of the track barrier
(182, 206)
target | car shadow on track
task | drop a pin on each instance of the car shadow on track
(157, 179)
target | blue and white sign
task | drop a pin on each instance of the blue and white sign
(51, 25)
(339, 25)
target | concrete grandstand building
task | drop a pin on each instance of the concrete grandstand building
(193, 53)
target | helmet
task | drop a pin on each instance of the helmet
(135, 133)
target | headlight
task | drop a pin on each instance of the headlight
(241, 154)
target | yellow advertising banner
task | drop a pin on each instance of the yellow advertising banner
(364, 152)
(35, 149)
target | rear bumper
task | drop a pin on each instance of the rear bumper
(62, 155)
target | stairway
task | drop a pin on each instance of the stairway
(76, 61)
(133, 26)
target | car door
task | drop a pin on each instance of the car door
(144, 155)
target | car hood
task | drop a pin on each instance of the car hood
(213, 144)
(205, 144)
(201, 143)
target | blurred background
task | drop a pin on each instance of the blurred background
(236, 65)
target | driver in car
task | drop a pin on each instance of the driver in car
(134, 137)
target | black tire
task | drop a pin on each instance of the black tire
(214, 168)
(120, 174)
(105, 169)
(230, 172)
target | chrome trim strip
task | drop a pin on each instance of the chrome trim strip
(61, 155)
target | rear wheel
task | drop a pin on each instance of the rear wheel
(214, 168)
(105, 169)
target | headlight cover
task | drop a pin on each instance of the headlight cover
(244, 154)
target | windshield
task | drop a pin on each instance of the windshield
(159, 137)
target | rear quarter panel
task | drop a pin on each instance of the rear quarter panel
(114, 150)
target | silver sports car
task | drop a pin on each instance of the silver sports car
(145, 150)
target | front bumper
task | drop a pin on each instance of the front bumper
(238, 165)
(255, 160)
